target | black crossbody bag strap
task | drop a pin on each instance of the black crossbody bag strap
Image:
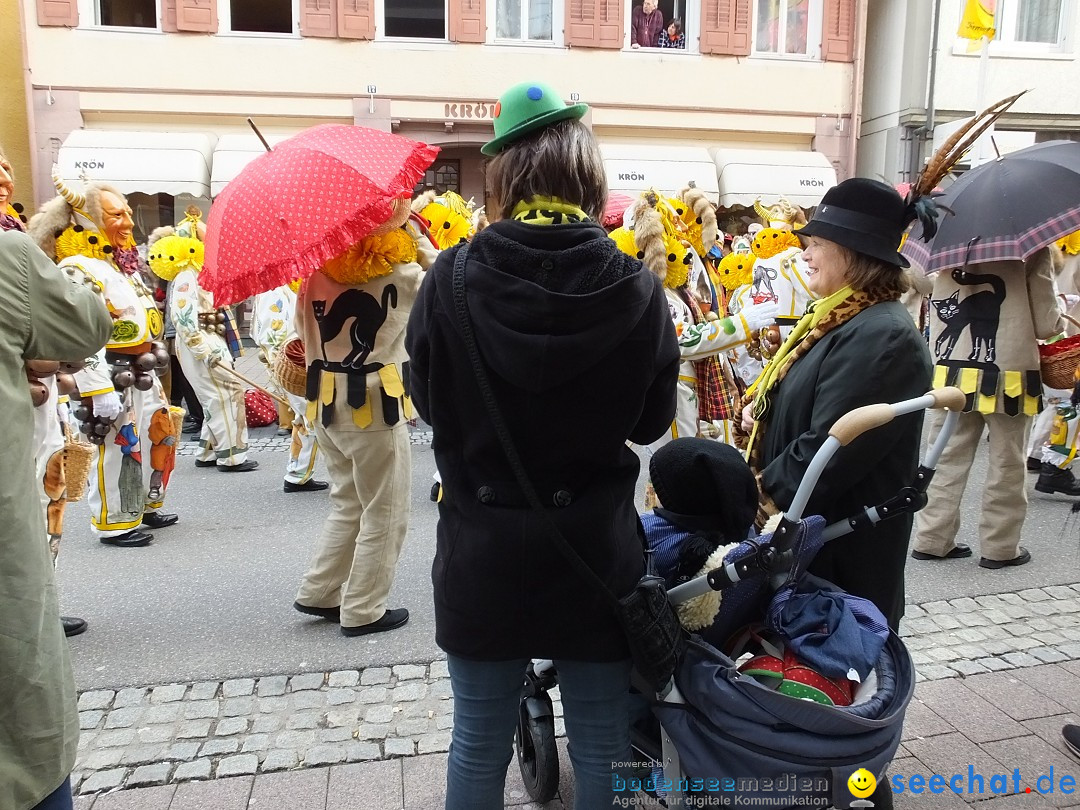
(461, 307)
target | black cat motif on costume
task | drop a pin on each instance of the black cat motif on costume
(980, 312)
(368, 314)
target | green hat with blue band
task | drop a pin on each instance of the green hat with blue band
(525, 108)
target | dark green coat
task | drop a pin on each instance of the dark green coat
(43, 316)
(877, 356)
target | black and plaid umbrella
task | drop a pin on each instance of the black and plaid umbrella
(1004, 210)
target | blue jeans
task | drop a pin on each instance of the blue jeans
(595, 699)
(59, 799)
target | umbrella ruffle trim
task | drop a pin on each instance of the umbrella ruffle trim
(337, 240)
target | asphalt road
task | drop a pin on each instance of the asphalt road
(212, 597)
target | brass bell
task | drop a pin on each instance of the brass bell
(101, 429)
(220, 329)
(145, 362)
(161, 358)
(124, 379)
(85, 428)
(144, 382)
(82, 413)
(220, 317)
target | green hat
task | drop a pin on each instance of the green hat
(525, 108)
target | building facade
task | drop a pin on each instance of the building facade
(922, 79)
(751, 76)
(14, 121)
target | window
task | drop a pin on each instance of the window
(443, 175)
(1031, 21)
(128, 13)
(259, 16)
(788, 27)
(415, 19)
(680, 12)
(528, 20)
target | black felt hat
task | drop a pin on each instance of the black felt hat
(705, 485)
(866, 216)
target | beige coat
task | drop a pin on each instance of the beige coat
(985, 322)
(39, 724)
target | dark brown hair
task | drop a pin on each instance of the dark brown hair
(561, 160)
(875, 276)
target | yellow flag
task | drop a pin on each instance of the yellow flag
(978, 19)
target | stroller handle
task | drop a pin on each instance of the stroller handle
(854, 423)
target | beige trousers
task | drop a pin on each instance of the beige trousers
(371, 479)
(1004, 500)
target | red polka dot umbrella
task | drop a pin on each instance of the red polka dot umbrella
(310, 199)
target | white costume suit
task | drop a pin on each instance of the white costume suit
(272, 328)
(224, 436)
(133, 466)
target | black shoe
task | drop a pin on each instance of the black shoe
(311, 485)
(159, 520)
(205, 463)
(73, 626)
(436, 492)
(1071, 735)
(1033, 464)
(1054, 479)
(284, 431)
(132, 539)
(1020, 559)
(331, 614)
(191, 427)
(390, 620)
(246, 466)
(959, 551)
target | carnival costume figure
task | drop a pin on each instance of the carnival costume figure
(124, 409)
(707, 388)
(351, 316)
(272, 328)
(206, 345)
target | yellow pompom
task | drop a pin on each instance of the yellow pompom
(371, 257)
(169, 256)
(295, 285)
(678, 262)
(770, 241)
(624, 240)
(448, 227)
(736, 270)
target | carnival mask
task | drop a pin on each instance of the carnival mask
(116, 219)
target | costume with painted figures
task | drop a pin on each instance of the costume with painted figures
(90, 233)
(205, 344)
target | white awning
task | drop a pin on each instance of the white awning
(151, 162)
(634, 168)
(232, 153)
(746, 174)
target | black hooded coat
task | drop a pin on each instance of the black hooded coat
(582, 356)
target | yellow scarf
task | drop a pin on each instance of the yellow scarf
(815, 314)
(547, 211)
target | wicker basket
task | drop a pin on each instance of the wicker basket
(1058, 360)
(289, 370)
(78, 456)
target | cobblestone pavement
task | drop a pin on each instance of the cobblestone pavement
(175, 733)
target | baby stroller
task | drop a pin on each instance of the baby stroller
(721, 734)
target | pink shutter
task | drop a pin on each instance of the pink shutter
(594, 23)
(725, 27)
(610, 24)
(467, 21)
(318, 18)
(168, 16)
(838, 38)
(198, 16)
(58, 12)
(356, 19)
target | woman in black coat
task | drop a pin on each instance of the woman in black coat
(581, 356)
(859, 347)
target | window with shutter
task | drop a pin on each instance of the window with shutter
(199, 16)
(525, 20)
(725, 27)
(838, 40)
(356, 19)
(58, 12)
(609, 24)
(415, 19)
(467, 20)
(318, 18)
(788, 28)
(594, 23)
